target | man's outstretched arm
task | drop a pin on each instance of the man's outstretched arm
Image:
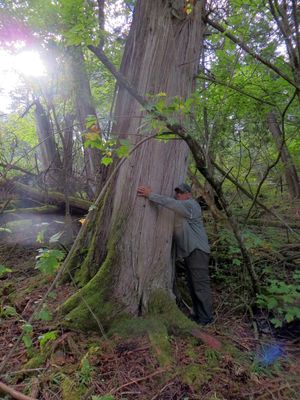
(168, 202)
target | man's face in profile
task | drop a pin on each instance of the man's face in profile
(179, 195)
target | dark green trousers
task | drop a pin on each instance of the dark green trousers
(196, 265)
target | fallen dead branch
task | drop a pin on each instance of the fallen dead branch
(143, 378)
(273, 224)
(14, 393)
(35, 387)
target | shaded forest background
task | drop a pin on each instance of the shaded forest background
(121, 106)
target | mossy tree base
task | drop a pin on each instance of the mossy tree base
(93, 304)
(92, 307)
(89, 248)
(162, 319)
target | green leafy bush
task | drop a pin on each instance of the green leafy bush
(44, 314)
(282, 299)
(27, 331)
(48, 260)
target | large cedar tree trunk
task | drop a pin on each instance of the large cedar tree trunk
(161, 55)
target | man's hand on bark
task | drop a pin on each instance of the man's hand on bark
(144, 191)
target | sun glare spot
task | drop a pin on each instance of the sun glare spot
(15, 66)
(29, 63)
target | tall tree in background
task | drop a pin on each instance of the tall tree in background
(85, 111)
(291, 175)
(48, 152)
(162, 54)
(287, 17)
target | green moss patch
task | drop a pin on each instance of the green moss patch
(161, 345)
(70, 390)
(161, 305)
(36, 361)
(195, 375)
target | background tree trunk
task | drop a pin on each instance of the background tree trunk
(291, 176)
(162, 54)
(85, 109)
(287, 17)
(48, 152)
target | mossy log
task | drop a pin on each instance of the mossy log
(48, 197)
(14, 214)
(33, 210)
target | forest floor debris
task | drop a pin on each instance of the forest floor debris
(63, 364)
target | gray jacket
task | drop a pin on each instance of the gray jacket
(189, 232)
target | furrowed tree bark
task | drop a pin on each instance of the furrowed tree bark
(161, 55)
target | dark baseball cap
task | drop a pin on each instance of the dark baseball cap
(184, 188)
